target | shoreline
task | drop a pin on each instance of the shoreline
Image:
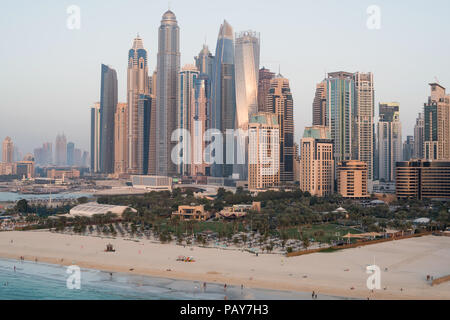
(219, 266)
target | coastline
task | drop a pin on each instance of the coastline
(331, 274)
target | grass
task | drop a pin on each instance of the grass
(321, 232)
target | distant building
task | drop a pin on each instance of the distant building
(316, 161)
(408, 148)
(238, 210)
(121, 139)
(389, 140)
(264, 151)
(419, 137)
(70, 153)
(196, 213)
(62, 173)
(352, 179)
(320, 105)
(95, 137)
(264, 79)
(61, 150)
(25, 169)
(8, 151)
(423, 179)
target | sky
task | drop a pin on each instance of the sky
(50, 74)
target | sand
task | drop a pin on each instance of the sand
(341, 273)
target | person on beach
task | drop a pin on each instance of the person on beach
(204, 286)
(313, 294)
(14, 268)
(225, 287)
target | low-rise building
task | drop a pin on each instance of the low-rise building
(352, 179)
(152, 183)
(197, 213)
(238, 210)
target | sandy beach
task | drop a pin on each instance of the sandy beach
(404, 264)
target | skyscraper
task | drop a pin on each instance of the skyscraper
(264, 145)
(187, 79)
(70, 153)
(419, 128)
(352, 179)
(408, 148)
(280, 102)
(316, 161)
(61, 150)
(167, 92)
(437, 124)
(223, 95)
(340, 113)
(389, 140)
(95, 138)
(199, 124)
(205, 61)
(364, 120)
(246, 70)
(137, 85)
(264, 79)
(143, 139)
(320, 105)
(108, 103)
(121, 139)
(7, 150)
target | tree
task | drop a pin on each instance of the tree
(22, 206)
(305, 242)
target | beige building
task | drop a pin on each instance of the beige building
(263, 151)
(316, 161)
(197, 213)
(8, 151)
(320, 105)
(7, 169)
(120, 139)
(352, 179)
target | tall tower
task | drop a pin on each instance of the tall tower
(137, 85)
(247, 71)
(95, 138)
(223, 94)
(167, 92)
(340, 113)
(364, 120)
(7, 150)
(280, 102)
(205, 61)
(61, 150)
(264, 79)
(120, 138)
(187, 79)
(390, 147)
(437, 124)
(320, 105)
(108, 103)
(70, 153)
(419, 137)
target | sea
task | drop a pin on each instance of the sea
(25, 280)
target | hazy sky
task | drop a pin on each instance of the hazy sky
(50, 75)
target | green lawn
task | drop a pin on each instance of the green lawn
(322, 232)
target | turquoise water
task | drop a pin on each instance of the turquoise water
(11, 196)
(40, 281)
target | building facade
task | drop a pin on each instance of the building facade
(423, 179)
(352, 179)
(419, 137)
(95, 137)
(265, 78)
(408, 148)
(264, 153)
(168, 69)
(316, 161)
(121, 139)
(280, 102)
(7, 150)
(320, 105)
(389, 135)
(61, 150)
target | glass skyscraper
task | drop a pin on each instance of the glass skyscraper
(167, 92)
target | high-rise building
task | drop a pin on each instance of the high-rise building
(187, 79)
(320, 105)
(8, 150)
(316, 161)
(363, 135)
(61, 150)
(95, 137)
(199, 124)
(408, 148)
(167, 92)
(143, 139)
(352, 179)
(205, 62)
(108, 103)
(77, 157)
(223, 97)
(152, 148)
(280, 102)
(437, 124)
(340, 113)
(137, 85)
(263, 150)
(70, 153)
(419, 130)
(423, 179)
(246, 69)
(121, 139)
(264, 79)
(44, 155)
(389, 135)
